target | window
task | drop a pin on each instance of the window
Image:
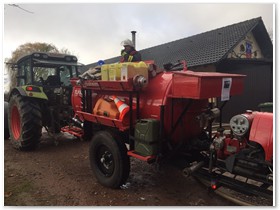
(21, 75)
(42, 72)
(65, 75)
(24, 73)
(28, 74)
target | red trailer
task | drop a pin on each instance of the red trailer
(171, 113)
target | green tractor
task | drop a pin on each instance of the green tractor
(42, 97)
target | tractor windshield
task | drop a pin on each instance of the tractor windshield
(64, 73)
(41, 72)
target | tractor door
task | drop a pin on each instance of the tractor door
(24, 76)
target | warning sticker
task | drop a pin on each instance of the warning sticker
(226, 85)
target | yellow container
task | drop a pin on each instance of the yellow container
(129, 70)
(114, 72)
(105, 72)
(142, 64)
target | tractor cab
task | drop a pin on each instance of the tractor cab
(49, 72)
(46, 69)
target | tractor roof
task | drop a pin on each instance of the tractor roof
(47, 55)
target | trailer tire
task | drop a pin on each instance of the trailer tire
(25, 122)
(109, 160)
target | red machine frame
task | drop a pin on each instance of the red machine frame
(203, 83)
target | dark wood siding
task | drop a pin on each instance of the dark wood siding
(258, 86)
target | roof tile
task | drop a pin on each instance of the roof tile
(205, 48)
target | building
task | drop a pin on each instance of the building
(242, 48)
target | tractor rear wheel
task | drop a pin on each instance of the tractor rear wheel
(6, 124)
(25, 122)
(109, 160)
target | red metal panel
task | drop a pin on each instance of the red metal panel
(146, 158)
(158, 93)
(104, 120)
(262, 132)
(203, 85)
(76, 98)
(109, 85)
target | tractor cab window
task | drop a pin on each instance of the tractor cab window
(42, 73)
(75, 72)
(28, 74)
(21, 76)
(24, 74)
(66, 73)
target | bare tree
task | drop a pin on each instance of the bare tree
(25, 49)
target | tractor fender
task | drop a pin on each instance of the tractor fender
(36, 93)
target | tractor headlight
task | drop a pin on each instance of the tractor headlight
(240, 125)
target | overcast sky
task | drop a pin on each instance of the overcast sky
(94, 31)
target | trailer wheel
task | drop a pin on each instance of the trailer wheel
(109, 160)
(25, 122)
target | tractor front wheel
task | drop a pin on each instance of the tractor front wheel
(109, 160)
(25, 122)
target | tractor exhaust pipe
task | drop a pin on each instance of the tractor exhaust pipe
(190, 170)
(133, 38)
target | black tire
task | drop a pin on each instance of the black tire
(6, 124)
(25, 122)
(109, 160)
(6, 133)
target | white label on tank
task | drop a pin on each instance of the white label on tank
(226, 85)
(124, 73)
